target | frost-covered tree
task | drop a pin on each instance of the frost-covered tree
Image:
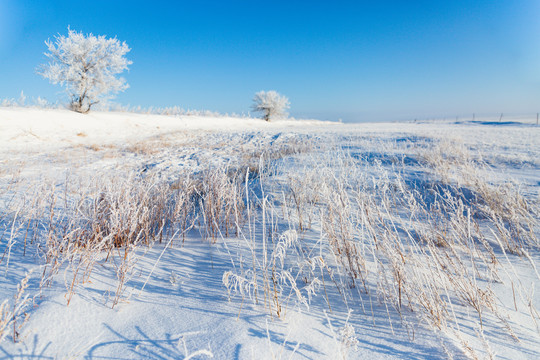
(86, 65)
(271, 104)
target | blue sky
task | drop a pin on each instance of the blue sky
(354, 60)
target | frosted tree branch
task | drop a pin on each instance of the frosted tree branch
(271, 104)
(86, 65)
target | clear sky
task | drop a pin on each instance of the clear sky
(354, 60)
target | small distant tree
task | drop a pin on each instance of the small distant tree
(86, 65)
(271, 104)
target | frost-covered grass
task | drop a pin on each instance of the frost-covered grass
(40, 103)
(262, 241)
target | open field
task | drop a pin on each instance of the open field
(145, 236)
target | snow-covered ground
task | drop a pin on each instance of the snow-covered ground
(147, 236)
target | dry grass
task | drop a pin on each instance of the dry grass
(13, 313)
(427, 249)
(146, 147)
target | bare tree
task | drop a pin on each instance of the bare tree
(271, 104)
(86, 65)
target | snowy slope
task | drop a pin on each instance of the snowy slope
(174, 303)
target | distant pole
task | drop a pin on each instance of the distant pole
(473, 116)
(500, 119)
(536, 118)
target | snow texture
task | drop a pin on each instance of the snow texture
(174, 304)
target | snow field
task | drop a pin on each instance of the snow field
(177, 237)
